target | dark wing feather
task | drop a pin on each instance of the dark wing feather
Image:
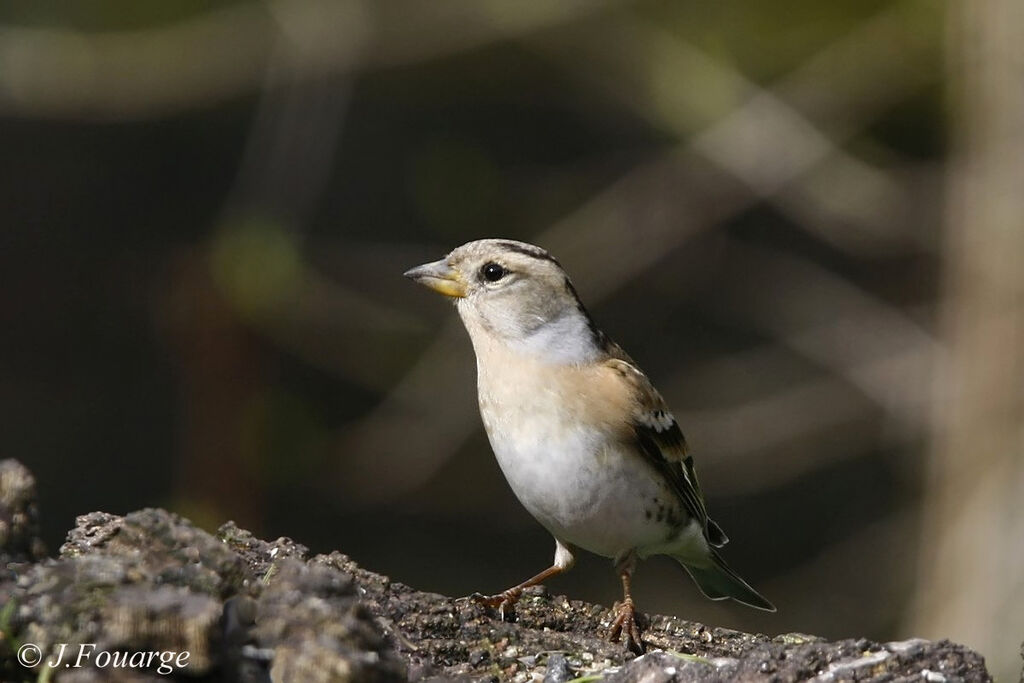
(663, 444)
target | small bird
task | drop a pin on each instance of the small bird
(585, 441)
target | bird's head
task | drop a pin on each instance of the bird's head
(516, 294)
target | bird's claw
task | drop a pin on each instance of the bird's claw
(500, 601)
(624, 627)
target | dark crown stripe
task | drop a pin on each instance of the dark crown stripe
(534, 252)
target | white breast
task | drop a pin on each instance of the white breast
(580, 479)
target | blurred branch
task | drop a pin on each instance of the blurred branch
(971, 558)
(745, 434)
(872, 345)
(55, 72)
(873, 357)
(877, 64)
(290, 148)
(758, 134)
(50, 72)
(640, 219)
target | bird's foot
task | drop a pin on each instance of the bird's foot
(624, 627)
(502, 601)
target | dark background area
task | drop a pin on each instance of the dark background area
(778, 209)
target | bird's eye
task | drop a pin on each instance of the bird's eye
(492, 272)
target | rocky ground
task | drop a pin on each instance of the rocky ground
(249, 610)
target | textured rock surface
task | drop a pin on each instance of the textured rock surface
(251, 610)
(19, 519)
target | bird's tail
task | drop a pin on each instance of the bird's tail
(718, 582)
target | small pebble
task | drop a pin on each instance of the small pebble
(558, 670)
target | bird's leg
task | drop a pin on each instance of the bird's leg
(624, 625)
(511, 595)
(563, 562)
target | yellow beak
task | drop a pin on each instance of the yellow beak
(440, 277)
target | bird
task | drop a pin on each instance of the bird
(587, 444)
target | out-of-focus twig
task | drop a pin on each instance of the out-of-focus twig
(59, 72)
(621, 232)
(872, 345)
(971, 584)
(874, 358)
(758, 134)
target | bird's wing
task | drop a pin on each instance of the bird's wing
(663, 444)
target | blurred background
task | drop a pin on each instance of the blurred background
(805, 220)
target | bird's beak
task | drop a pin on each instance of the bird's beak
(440, 277)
